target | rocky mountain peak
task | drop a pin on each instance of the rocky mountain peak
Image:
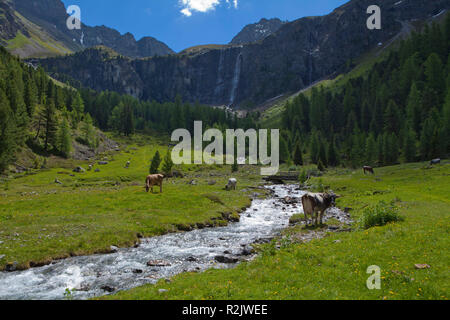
(257, 31)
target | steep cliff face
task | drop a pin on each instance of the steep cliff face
(9, 24)
(50, 17)
(258, 31)
(300, 53)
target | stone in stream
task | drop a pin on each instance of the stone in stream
(247, 251)
(226, 259)
(192, 259)
(158, 263)
(137, 271)
(12, 266)
(108, 289)
(113, 249)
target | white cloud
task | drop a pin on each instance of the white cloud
(202, 5)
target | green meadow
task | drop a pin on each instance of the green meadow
(335, 267)
(41, 220)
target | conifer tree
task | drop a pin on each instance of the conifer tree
(88, 131)
(50, 124)
(409, 146)
(332, 156)
(156, 161)
(8, 132)
(167, 164)
(298, 158)
(64, 138)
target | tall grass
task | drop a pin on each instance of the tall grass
(379, 215)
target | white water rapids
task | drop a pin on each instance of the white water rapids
(196, 250)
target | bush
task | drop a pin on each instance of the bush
(303, 177)
(296, 218)
(379, 215)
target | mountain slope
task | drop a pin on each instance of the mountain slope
(44, 22)
(300, 53)
(257, 31)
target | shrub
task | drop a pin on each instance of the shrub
(296, 218)
(379, 215)
(303, 177)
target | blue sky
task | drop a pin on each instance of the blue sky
(186, 23)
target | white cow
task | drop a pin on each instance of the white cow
(232, 182)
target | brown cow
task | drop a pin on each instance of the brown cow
(368, 169)
(315, 204)
(154, 180)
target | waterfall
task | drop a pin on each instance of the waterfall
(219, 83)
(236, 77)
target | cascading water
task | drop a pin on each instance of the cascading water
(236, 78)
(220, 83)
(171, 254)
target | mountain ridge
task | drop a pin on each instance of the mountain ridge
(49, 17)
(257, 31)
(298, 54)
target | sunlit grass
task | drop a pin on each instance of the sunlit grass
(41, 220)
(330, 269)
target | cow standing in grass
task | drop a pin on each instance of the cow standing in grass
(154, 180)
(435, 161)
(232, 183)
(368, 169)
(315, 205)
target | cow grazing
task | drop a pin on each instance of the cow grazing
(154, 180)
(368, 169)
(231, 184)
(315, 205)
(435, 161)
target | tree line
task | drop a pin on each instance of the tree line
(398, 111)
(48, 116)
(37, 111)
(125, 114)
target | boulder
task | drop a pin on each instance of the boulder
(11, 266)
(108, 289)
(103, 163)
(247, 251)
(158, 263)
(226, 259)
(79, 170)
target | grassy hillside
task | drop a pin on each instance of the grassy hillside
(42, 220)
(335, 267)
(38, 44)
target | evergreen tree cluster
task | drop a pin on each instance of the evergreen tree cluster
(125, 114)
(34, 110)
(398, 111)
